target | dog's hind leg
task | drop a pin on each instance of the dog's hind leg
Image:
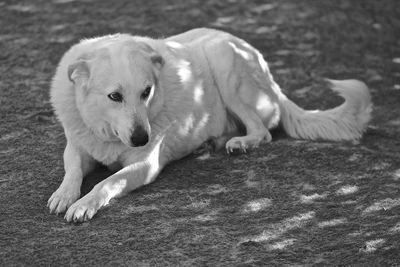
(255, 129)
(245, 114)
(240, 95)
(244, 88)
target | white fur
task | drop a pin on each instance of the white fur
(345, 122)
(206, 84)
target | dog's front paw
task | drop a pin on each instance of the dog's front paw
(62, 198)
(84, 209)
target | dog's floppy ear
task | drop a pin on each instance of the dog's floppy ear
(157, 60)
(78, 71)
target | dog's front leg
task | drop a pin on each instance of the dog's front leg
(76, 165)
(135, 175)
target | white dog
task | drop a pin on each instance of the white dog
(136, 104)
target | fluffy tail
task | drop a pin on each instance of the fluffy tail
(345, 122)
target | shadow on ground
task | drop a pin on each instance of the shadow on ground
(288, 203)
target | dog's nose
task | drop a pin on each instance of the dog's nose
(139, 136)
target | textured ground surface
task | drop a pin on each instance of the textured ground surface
(288, 203)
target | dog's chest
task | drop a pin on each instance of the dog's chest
(104, 152)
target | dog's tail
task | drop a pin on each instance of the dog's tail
(345, 122)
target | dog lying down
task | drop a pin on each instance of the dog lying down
(136, 104)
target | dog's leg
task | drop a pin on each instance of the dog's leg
(239, 89)
(142, 169)
(255, 129)
(76, 164)
(213, 144)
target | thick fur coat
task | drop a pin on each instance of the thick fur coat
(135, 104)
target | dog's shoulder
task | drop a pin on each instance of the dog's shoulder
(191, 103)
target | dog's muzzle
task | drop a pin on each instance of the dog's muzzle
(139, 136)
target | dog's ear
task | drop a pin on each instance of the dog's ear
(78, 71)
(157, 60)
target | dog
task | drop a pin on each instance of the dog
(135, 104)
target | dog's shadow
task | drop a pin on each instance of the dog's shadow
(96, 176)
(101, 172)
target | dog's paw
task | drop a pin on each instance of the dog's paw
(84, 209)
(62, 199)
(236, 143)
(243, 143)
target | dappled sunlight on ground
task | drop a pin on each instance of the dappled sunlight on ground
(396, 175)
(276, 230)
(333, 222)
(395, 229)
(216, 189)
(384, 204)
(282, 244)
(347, 190)
(373, 245)
(207, 216)
(287, 203)
(257, 205)
(312, 198)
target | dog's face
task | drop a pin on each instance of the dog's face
(118, 92)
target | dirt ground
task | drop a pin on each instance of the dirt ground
(290, 202)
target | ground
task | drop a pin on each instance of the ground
(290, 202)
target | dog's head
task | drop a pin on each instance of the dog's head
(117, 90)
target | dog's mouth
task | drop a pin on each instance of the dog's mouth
(138, 138)
(116, 136)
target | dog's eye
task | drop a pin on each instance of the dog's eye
(146, 93)
(117, 97)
